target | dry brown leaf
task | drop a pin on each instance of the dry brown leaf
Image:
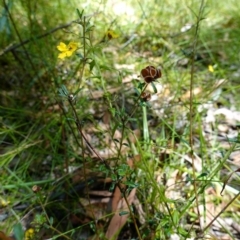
(117, 222)
(3, 236)
(116, 198)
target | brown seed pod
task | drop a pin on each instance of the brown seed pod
(150, 74)
(145, 96)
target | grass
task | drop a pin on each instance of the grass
(85, 112)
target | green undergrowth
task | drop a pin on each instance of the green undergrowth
(86, 111)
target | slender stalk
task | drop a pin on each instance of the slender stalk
(19, 36)
(191, 105)
(145, 127)
(79, 127)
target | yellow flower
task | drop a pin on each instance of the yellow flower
(210, 68)
(110, 34)
(3, 202)
(29, 234)
(66, 50)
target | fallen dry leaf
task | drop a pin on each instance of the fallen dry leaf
(3, 236)
(118, 221)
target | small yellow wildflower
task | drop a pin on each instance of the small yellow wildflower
(210, 68)
(110, 34)
(66, 50)
(3, 202)
(29, 234)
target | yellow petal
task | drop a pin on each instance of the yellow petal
(3, 203)
(72, 46)
(110, 34)
(62, 47)
(69, 53)
(210, 68)
(29, 234)
(62, 55)
(67, 50)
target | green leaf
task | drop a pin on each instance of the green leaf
(183, 232)
(123, 170)
(164, 222)
(204, 174)
(71, 119)
(131, 184)
(92, 65)
(63, 92)
(137, 91)
(123, 213)
(89, 28)
(154, 87)
(132, 119)
(175, 217)
(142, 104)
(119, 79)
(141, 85)
(78, 91)
(18, 231)
(112, 187)
(80, 14)
(103, 169)
(105, 67)
(51, 221)
(113, 111)
(5, 26)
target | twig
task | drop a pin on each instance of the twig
(22, 43)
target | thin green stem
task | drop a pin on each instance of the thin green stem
(191, 105)
(118, 184)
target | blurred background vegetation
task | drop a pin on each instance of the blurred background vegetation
(35, 136)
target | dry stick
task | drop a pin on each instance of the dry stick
(79, 127)
(191, 100)
(22, 43)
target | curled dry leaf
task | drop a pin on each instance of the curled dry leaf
(118, 220)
